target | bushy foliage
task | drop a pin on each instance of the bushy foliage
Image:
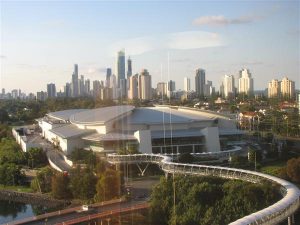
(83, 183)
(207, 201)
(42, 182)
(293, 169)
(10, 174)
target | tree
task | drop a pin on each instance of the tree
(42, 182)
(83, 183)
(60, 186)
(109, 185)
(36, 157)
(3, 115)
(10, 174)
(207, 200)
(293, 169)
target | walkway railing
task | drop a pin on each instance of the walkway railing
(273, 214)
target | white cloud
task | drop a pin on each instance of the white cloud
(220, 20)
(180, 41)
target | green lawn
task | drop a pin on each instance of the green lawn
(16, 188)
(273, 168)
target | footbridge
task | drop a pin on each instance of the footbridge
(274, 214)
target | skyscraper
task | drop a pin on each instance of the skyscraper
(51, 90)
(67, 90)
(144, 85)
(108, 74)
(129, 68)
(208, 89)
(246, 82)
(161, 89)
(228, 85)
(187, 84)
(120, 66)
(81, 86)
(87, 87)
(133, 87)
(274, 89)
(75, 81)
(287, 88)
(200, 82)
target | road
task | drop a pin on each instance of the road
(53, 154)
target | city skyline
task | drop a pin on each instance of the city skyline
(218, 39)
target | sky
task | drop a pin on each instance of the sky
(42, 40)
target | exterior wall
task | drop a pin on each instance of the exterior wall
(212, 139)
(144, 139)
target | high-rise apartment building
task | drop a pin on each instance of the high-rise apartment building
(87, 87)
(287, 88)
(209, 90)
(144, 85)
(67, 90)
(187, 84)
(108, 75)
(96, 88)
(81, 91)
(51, 90)
(14, 93)
(274, 89)
(129, 68)
(161, 89)
(246, 85)
(41, 96)
(120, 66)
(74, 86)
(200, 82)
(133, 87)
(228, 86)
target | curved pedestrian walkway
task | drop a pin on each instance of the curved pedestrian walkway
(274, 214)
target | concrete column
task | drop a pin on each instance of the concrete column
(193, 148)
(291, 220)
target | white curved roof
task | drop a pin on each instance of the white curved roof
(100, 115)
(65, 114)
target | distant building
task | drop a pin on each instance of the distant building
(209, 90)
(14, 93)
(51, 90)
(144, 85)
(87, 87)
(161, 89)
(129, 68)
(120, 66)
(287, 88)
(74, 86)
(274, 89)
(67, 90)
(246, 85)
(171, 88)
(200, 82)
(81, 91)
(108, 75)
(187, 84)
(96, 88)
(229, 89)
(41, 96)
(133, 87)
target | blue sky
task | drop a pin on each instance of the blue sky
(40, 41)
